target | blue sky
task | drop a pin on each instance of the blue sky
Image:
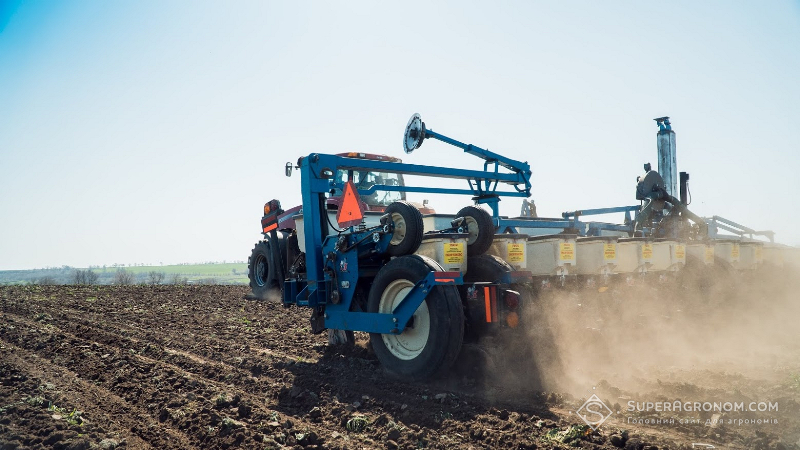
(148, 132)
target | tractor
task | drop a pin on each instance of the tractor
(363, 258)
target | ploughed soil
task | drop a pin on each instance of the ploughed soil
(179, 367)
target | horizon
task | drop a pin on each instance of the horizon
(125, 265)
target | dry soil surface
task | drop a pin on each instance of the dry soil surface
(180, 367)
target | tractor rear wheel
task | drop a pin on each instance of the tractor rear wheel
(480, 228)
(431, 345)
(407, 221)
(261, 272)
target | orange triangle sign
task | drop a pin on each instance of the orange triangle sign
(350, 212)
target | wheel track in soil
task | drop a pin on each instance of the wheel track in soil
(171, 339)
(102, 405)
(158, 345)
(117, 339)
(155, 345)
(149, 349)
(158, 358)
(156, 364)
(86, 356)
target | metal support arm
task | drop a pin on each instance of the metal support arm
(396, 321)
(416, 133)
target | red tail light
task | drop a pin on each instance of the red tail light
(511, 298)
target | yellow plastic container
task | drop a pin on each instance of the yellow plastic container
(664, 256)
(448, 249)
(701, 252)
(551, 255)
(751, 255)
(511, 248)
(596, 255)
(677, 253)
(774, 254)
(727, 250)
(634, 255)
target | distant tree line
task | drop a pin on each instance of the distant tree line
(119, 275)
(122, 277)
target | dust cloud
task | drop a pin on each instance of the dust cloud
(654, 334)
(700, 320)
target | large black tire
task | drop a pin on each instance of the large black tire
(408, 228)
(487, 268)
(431, 347)
(480, 228)
(261, 271)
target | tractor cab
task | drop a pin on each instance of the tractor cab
(363, 180)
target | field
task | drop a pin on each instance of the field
(180, 367)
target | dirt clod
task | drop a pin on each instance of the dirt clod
(617, 440)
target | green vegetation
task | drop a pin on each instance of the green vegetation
(357, 424)
(572, 435)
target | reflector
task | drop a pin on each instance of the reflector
(350, 212)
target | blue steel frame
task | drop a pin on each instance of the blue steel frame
(716, 222)
(336, 262)
(485, 194)
(596, 227)
(572, 220)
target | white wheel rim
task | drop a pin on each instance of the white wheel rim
(411, 342)
(399, 229)
(472, 230)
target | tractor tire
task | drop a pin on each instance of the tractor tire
(431, 347)
(486, 268)
(261, 271)
(408, 228)
(480, 228)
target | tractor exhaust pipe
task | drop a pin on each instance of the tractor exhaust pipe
(667, 161)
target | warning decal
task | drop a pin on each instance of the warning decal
(647, 251)
(709, 254)
(680, 252)
(609, 251)
(566, 251)
(516, 252)
(453, 252)
(735, 251)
